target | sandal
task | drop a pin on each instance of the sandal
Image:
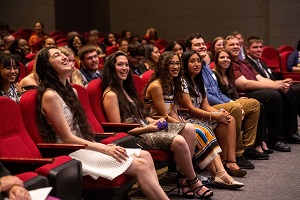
(218, 181)
(205, 195)
(181, 181)
(234, 172)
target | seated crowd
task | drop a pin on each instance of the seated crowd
(230, 95)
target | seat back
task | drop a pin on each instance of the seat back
(138, 84)
(284, 48)
(111, 50)
(271, 56)
(95, 93)
(85, 103)
(146, 76)
(283, 60)
(28, 109)
(22, 72)
(14, 139)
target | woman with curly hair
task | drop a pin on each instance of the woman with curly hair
(61, 119)
(164, 93)
(122, 104)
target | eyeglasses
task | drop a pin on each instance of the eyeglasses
(172, 63)
(193, 60)
(9, 68)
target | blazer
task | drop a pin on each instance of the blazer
(258, 70)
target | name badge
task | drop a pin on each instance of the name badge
(214, 76)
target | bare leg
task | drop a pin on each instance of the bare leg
(226, 136)
(189, 134)
(142, 171)
(147, 156)
(184, 162)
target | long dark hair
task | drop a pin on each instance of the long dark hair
(167, 82)
(48, 79)
(198, 79)
(229, 70)
(110, 79)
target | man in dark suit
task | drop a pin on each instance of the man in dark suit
(11, 185)
(254, 52)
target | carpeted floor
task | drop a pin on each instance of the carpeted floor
(275, 179)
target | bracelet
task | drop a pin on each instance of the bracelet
(106, 152)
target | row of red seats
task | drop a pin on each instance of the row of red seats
(276, 59)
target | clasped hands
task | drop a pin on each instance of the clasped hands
(223, 116)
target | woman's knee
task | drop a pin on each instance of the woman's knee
(179, 143)
(189, 129)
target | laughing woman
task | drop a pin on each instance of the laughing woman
(9, 74)
(61, 119)
(164, 93)
(122, 104)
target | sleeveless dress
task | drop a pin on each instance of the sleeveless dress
(161, 139)
(96, 164)
(207, 147)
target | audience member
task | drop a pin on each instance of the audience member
(9, 75)
(151, 35)
(254, 51)
(89, 62)
(176, 47)
(123, 45)
(225, 77)
(20, 49)
(75, 77)
(201, 113)
(110, 40)
(218, 100)
(151, 56)
(122, 104)
(75, 43)
(136, 56)
(275, 95)
(61, 119)
(243, 52)
(163, 94)
(8, 40)
(134, 39)
(126, 34)
(216, 46)
(94, 37)
(12, 186)
(293, 63)
(72, 34)
(39, 34)
(48, 42)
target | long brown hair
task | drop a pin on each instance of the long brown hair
(228, 71)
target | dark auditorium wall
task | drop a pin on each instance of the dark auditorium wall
(275, 21)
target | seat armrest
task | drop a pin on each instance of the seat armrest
(18, 165)
(101, 136)
(58, 149)
(118, 127)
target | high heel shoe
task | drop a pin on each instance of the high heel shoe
(181, 181)
(234, 172)
(205, 195)
(218, 181)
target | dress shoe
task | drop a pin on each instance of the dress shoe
(280, 146)
(294, 138)
(251, 153)
(268, 151)
(235, 172)
(243, 163)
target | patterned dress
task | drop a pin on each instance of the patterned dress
(96, 164)
(207, 147)
(12, 93)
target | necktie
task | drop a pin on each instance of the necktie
(265, 73)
